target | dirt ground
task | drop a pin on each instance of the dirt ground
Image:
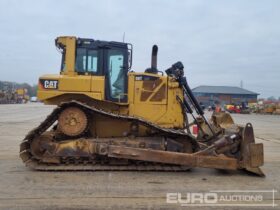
(22, 188)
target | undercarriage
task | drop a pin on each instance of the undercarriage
(138, 145)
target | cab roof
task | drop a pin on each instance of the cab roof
(84, 42)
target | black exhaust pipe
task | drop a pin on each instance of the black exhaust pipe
(154, 57)
(153, 68)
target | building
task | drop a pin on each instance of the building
(209, 95)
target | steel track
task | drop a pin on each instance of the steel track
(31, 162)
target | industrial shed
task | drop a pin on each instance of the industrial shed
(209, 95)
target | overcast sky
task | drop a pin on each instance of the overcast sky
(219, 42)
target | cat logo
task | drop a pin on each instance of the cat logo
(49, 84)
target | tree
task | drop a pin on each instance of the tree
(271, 98)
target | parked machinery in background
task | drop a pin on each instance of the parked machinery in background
(266, 107)
(11, 95)
(7, 95)
(22, 95)
(237, 109)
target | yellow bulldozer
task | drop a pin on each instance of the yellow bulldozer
(109, 117)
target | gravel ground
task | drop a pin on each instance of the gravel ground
(22, 188)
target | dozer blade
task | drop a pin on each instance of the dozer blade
(251, 153)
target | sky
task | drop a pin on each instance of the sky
(219, 42)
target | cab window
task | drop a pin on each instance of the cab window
(86, 60)
(92, 61)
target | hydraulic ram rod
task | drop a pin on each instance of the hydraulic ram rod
(188, 109)
(193, 100)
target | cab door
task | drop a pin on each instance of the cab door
(116, 67)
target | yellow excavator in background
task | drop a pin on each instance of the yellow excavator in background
(109, 117)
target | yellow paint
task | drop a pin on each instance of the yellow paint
(21, 91)
(70, 45)
(166, 112)
(98, 85)
(79, 83)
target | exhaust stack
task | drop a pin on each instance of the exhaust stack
(153, 68)
(154, 57)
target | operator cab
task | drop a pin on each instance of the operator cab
(102, 58)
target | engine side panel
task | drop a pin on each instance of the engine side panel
(153, 97)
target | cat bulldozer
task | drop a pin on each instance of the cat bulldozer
(109, 117)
